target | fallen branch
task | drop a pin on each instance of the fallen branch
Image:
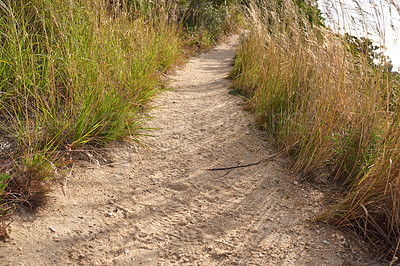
(230, 170)
(247, 165)
(109, 164)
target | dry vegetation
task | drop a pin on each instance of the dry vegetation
(335, 112)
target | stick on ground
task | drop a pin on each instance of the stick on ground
(247, 165)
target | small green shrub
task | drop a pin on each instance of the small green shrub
(206, 21)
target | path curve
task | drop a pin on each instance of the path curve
(158, 205)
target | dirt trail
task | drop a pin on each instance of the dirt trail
(158, 205)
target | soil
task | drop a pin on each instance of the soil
(159, 205)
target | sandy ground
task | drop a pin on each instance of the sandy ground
(158, 205)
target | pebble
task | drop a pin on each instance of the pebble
(109, 214)
(326, 242)
(296, 183)
(126, 251)
(318, 231)
(52, 229)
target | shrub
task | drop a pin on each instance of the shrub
(205, 21)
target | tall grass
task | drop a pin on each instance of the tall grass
(73, 73)
(79, 73)
(336, 113)
(206, 21)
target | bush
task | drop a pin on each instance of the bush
(205, 21)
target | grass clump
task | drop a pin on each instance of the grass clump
(81, 73)
(73, 73)
(321, 97)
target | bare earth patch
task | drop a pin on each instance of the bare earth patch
(159, 205)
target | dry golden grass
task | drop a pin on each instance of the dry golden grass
(337, 113)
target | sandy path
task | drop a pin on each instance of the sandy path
(159, 205)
